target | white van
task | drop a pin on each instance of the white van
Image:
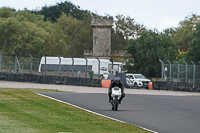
(137, 81)
(93, 64)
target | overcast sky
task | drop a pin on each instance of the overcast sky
(159, 14)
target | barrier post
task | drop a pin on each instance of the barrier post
(112, 62)
(193, 73)
(31, 65)
(98, 68)
(0, 62)
(162, 68)
(186, 65)
(59, 65)
(105, 83)
(150, 85)
(72, 66)
(86, 68)
(45, 67)
(45, 62)
(15, 62)
(170, 70)
(178, 71)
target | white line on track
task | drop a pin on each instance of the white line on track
(93, 112)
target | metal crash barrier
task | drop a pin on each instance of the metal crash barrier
(50, 79)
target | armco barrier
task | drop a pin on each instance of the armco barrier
(176, 86)
(49, 79)
(156, 85)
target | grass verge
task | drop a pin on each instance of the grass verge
(22, 111)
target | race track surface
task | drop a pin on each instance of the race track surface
(163, 114)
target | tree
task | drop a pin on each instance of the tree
(71, 37)
(6, 12)
(117, 40)
(184, 32)
(23, 33)
(194, 46)
(52, 13)
(124, 28)
(128, 27)
(146, 51)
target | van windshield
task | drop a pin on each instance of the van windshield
(140, 77)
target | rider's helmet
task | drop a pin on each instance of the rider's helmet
(117, 80)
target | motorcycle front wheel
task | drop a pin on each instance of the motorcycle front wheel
(116, 103)
(112, 104)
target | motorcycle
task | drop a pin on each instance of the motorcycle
(115, 96)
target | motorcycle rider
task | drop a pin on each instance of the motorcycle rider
(119, 84)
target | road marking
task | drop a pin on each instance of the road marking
(94, 112)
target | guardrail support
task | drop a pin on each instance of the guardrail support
(72, 66)
(178, 71)
(193, 73)
(45, 62)
(0, 62)
(186, 65)
(162, 68)
(98, 68)
(170, 70)
(59, 65)
(112, 62)
(15, 62)
(31, 65)
(86, 67)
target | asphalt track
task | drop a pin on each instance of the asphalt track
(163, 114)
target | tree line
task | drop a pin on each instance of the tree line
(64, 30)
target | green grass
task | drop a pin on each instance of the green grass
(23, 111)
(194, 95)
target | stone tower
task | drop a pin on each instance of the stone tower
(101, 36)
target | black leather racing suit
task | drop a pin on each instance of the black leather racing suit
(120, 85)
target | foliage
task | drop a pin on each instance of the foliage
(128, 27)
(91, 73)
(180, 54)
(6, 12)
(117, 40)
(70, 37)
(184, 32)
(147, 50)
(124, 29)
(64, 30)
(23, 33)
(194, 46)
(52, 13)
